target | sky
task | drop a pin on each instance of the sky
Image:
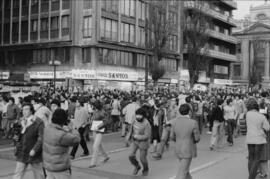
(243, 7)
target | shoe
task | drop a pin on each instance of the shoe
(157, 157)
(127, 145)
(262, 175)
(136, 170)
(209, 132)
(106, 159)
(92, 166)
(211, 148)
(231, 144)
(145, 172)
(84, 155)
(72, 157)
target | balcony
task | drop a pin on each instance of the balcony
(205, 7)
(216, 54)
(231, 3)
(222, 55)
(222, 36)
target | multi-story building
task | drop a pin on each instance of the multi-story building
(99, 43)
(221, 43)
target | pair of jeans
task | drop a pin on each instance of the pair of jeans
(183, 171)
(58, 175)
(254, 156)
(97, 147)
(143, 156)
(217, 133)
(199, 119)
(115, 122)
(231, 124)
(35, 167)
(82, 143)
(164, 139)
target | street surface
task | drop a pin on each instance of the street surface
(224, 163)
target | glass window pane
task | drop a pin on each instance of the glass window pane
(132, 8)
(127, 7)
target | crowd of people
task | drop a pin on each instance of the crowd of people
(45, 125)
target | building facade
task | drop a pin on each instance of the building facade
(221, 44)
(100, 43)
(253, 47)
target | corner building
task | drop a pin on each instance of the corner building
(221, 44)
(100, 43)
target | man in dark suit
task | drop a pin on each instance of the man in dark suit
(218, 125)
(185, 133)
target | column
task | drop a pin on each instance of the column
(266, 66)
(11, 22)
(20, 20)
(245, 58)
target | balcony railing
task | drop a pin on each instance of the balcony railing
(230, 3)
(222, 55)
(222, 36)
(215, 54)
(205, 8)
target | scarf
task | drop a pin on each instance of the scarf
(26, 122)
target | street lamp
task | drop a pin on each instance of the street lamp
(54, 63)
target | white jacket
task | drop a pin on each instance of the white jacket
(129, 112)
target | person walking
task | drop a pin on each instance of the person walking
(29, 144)
(185, 133)
(115, 114)
(257, 124)
(80, 121)
(13, 115)
(98, 125)
(140, 136)
(217, 130)
(58, 138)
(230, 115)
(42, 111)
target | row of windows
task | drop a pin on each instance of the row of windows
(44, 56)
(44, 29)
(108, 29)
(40, 56)
(169, 64)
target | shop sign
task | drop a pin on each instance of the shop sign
(4, 75)
(83, 74)
(184, 75)
(174, 81)
(49, 74)
(121, 76)
(222, 82)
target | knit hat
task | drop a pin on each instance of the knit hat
(59, 117)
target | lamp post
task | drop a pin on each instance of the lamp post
(54, 63)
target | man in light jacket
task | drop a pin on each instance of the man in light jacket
(185, 133)
(58, 138)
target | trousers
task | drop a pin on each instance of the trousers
(35, 167)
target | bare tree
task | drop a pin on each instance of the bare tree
(159, 27)
(196, 25)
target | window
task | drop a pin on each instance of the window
(65, 4)
(54, 23)
(110, 5)
(34, 25)
(87, 26)
(34, 6)
(169, 64)
(24, 31)
(128, 33)
(87, 4)
(172, 42)
(109, 29)
(55, 5)
(219, 69)
(128, 7)
(115, 57)
(140, 61)
(44, 5)
(44, 24)
(141, 37)
(54, 27)
(86, 53)
(237, 70)
(15, 31)
(65, 25)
